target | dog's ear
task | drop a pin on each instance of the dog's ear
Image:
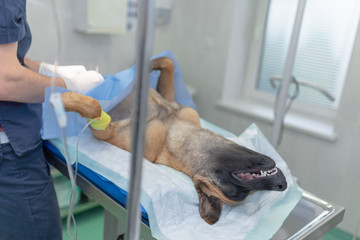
(209, 206)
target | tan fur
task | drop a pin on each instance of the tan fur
(211, 190)
(165, 87)
(84, 105)
(154, 140)
(190, 115)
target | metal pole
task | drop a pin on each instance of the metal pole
(144, 50)
(287, 76)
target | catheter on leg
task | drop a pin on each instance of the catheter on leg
(87, 107)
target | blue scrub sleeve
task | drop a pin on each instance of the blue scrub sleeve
(12, 20)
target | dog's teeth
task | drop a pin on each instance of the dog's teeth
(273, 171)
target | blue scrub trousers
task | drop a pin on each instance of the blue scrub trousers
(28, 203)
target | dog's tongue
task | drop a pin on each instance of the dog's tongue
(245, 176)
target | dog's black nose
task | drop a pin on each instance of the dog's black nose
(280, 183)
(280, 187)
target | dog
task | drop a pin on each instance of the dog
(222, 171)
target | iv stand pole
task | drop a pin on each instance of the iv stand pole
(144, 50)
(287, 76)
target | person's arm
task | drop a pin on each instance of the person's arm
(32, 65)
(18, 83)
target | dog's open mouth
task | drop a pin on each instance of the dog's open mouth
(247, 176)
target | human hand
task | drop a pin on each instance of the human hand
(83, 81)
(70, 71)
(76, 77)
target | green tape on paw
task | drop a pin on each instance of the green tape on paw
(102, 123)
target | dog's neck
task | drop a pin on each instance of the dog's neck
(191, 146)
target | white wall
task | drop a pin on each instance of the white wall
(199, 34)
(111, 53)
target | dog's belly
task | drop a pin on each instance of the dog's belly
(168, 124)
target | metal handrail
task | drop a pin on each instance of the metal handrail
(306, 84)
(287, 76)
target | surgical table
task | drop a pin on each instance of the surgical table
(310, 219)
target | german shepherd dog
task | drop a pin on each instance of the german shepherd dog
(222, 171)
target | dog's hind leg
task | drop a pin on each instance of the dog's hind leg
(166, 80)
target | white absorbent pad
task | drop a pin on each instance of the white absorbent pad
(171, 201)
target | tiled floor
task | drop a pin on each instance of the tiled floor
(337, 234)
(91, 227)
